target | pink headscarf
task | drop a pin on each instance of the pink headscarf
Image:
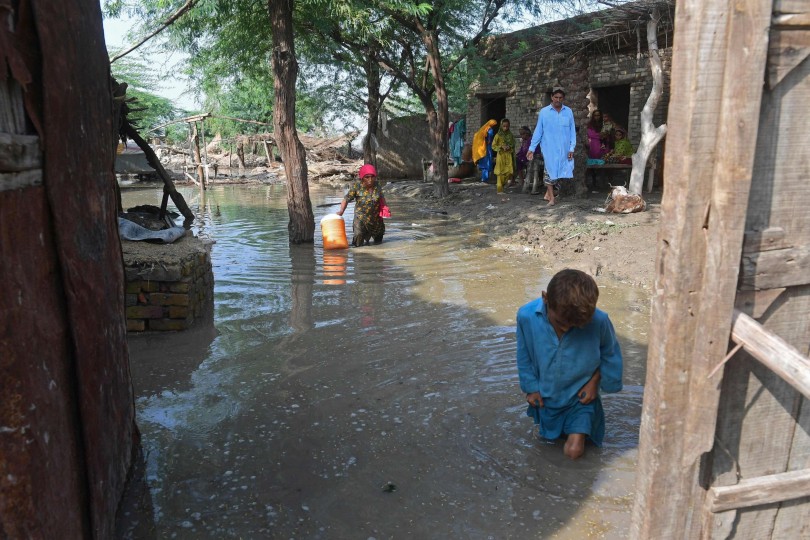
(367, 169)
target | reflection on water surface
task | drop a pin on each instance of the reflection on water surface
(331, 376)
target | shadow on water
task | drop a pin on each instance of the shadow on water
(369, 392)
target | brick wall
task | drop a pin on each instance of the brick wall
(168, 289)
(525, 80)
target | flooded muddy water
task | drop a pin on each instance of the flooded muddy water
(367, 393)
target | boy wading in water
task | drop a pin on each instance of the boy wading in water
(566, 351)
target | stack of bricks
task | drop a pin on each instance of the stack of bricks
(168, 289)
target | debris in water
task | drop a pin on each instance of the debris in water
(389, 487)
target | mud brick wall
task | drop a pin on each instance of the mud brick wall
(404, 146)
(168, 289)
(628, 69)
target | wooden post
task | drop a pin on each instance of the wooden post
(168, 185)
(240, 154)
(195, 147)
(269, 153)
(204, 156)
(718, 64)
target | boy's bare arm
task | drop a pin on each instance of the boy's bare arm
(589, 392)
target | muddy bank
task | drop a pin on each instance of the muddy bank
(570, 234)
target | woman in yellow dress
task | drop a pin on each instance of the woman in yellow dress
(504, 144)
(482, 149)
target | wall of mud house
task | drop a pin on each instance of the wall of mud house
(524, 85)
(404, 144)
(171, 295)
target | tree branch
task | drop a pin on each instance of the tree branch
(184, 8)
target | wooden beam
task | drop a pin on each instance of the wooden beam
(769, 489)
(756, 303)
(153, 160)
(19, 152)
(775, 269)
(712, 141)
(779, 356)
(20, 180)
(770, 238)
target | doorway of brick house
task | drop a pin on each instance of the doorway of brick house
(615, 101)
(493, 107)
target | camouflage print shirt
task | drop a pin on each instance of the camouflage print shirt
(367, 203)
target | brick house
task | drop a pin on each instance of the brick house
(600, 59)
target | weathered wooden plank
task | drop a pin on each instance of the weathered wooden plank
(757, 432)
(791, 20)
(20, 180)
(770, 238)
(760, 491)
(776, 268)
(12, 110)
(793, 518)
(713, 132)
(758, 436)
(788, 49)
(772, 351)
(756, 303)
(19, 152)
(790, 6)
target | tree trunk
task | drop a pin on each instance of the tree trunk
(67, 419)
(285, 73)
(373, 81)
(437, 118)
(650, 135)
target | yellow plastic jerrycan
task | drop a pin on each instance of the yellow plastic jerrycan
(333, 230)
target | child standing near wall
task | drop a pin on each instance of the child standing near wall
(520, 158)
(504, 145)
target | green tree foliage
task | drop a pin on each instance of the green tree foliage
(229, 45)
(150, 109)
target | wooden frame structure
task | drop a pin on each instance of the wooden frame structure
(725, 434)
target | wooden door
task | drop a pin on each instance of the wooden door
(723, 448)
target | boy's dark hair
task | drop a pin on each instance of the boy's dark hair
(572, 294)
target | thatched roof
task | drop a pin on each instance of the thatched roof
(606, 32)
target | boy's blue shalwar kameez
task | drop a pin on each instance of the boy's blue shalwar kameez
(559, 368)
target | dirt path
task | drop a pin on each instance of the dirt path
(570, 234)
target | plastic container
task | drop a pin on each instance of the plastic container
(333, 230)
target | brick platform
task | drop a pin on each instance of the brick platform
(169, 286)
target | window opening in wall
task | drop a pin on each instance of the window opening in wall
(615, 101)
(493, 107)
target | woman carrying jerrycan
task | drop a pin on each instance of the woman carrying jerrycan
(369, 208)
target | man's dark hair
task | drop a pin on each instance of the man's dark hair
(572, 295)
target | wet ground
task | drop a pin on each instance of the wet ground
(367, 393)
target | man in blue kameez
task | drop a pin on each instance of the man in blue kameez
(556, 134)
(566, 351)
